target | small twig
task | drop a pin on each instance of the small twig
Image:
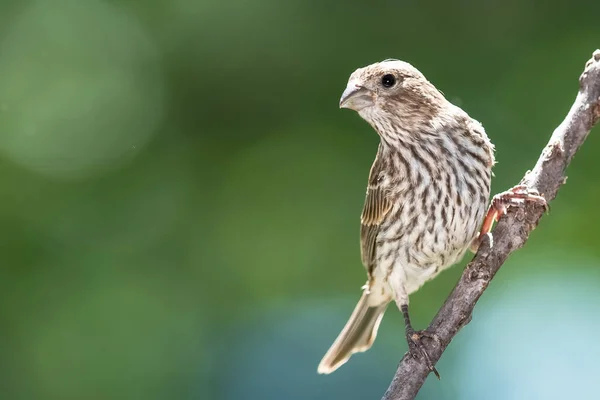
(510, 234)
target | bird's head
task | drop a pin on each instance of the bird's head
(392, 92)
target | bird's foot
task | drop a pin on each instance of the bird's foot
(417, 349)
(516, 196)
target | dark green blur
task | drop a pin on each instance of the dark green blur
(180, 195)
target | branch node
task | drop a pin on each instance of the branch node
(465, 318)
(589, 66)
(596, 112)
(478, 272)
(556, 149)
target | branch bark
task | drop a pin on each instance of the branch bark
(510, 234)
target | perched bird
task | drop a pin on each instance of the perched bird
(426, 200)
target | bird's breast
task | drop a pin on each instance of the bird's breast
(431, 225)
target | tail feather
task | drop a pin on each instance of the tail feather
(357, 336)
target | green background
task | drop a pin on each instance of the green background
(180, 197)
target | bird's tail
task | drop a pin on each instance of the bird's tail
(358, 334)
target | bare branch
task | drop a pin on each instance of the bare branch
(510, 234)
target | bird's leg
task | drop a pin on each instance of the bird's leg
(414, 339)
(501, 202)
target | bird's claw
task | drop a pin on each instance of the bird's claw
(417, 349)
(515, 196)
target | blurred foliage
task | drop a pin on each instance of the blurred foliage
(180, 196)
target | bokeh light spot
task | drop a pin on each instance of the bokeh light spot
(80, 88)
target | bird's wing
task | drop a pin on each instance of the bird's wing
(377, 206)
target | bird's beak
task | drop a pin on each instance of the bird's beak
(356, 97)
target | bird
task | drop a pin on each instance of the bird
(426, 202)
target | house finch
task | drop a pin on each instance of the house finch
(426, 198)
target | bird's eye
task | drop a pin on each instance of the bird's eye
(388, 80)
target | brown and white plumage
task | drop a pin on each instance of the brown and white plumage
(427, 192)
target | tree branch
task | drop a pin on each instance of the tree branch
(510, 234)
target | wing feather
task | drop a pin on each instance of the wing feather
(377, 206)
